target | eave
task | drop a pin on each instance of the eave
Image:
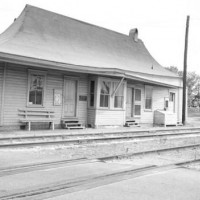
(46, 64)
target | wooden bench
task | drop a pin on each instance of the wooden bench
(33, 115)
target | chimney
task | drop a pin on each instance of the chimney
(133, 33)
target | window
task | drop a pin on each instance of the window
(36, 88)
(171, 96)
(104, 94)
(137, 110)
(119, 95)
(148, 97)
(137, 102)
(92, 92)
(137, 95)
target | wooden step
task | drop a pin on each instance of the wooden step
(130, 120)
(179, 124)
(73, 124)
(131, 124)
(75, 127)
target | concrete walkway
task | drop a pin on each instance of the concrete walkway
(14, 133)
(177, 184)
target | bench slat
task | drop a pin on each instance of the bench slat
(32, 110)
(36, 120)
(32, 115)
(36, 114)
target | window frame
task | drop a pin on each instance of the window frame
(89, 93)
(109, 95)
(151, 88)
(36, 72)
(137, 102)
(123, 96)
(110, 99)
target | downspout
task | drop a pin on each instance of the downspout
(3, 95)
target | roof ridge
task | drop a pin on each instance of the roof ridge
(80, 21)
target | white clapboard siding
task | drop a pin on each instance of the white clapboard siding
(16, 93)
(1, 87)
(91, 117)
(159, 93)
(54, 81)
(180, 103)
(82, 105)
(110, 117)
(1, 80)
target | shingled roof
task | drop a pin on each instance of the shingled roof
(47, 36)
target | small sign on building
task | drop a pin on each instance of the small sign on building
(57, 97)
(82, 98)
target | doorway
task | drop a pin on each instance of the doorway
(172, 102)
(70, 98)
(133, 103)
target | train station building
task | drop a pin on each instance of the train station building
(73, 74)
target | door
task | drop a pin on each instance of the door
(133, 103)
(129, 103)
(172, 102)
(137, 103)
(70, 98)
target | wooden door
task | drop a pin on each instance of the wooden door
(129, 103)
(172, 102)
(137, 103)
(70, 98)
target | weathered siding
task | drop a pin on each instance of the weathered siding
(110, 117)
(82, 105)
(1, 90)
(54, 81)
(91, 117)
(16, 93)
(159, 93)
(180, 103)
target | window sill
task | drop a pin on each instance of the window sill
(148, 110)
(103, 108)
(137, 117)
(35, 106)
(112, 109)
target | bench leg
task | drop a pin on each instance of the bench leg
(52, 125)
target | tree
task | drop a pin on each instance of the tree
(193, 82)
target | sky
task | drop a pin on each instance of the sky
(161, 23)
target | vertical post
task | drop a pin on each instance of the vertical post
(3, 95)
(185, 70)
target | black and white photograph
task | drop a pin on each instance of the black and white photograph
(99, 100)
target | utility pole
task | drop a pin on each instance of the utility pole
(185, 70)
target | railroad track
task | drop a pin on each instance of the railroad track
(78, 139)
(53, 164)
(45, 165)
(143, 153)
(87, 182)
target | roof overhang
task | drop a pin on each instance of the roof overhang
(141, 77)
